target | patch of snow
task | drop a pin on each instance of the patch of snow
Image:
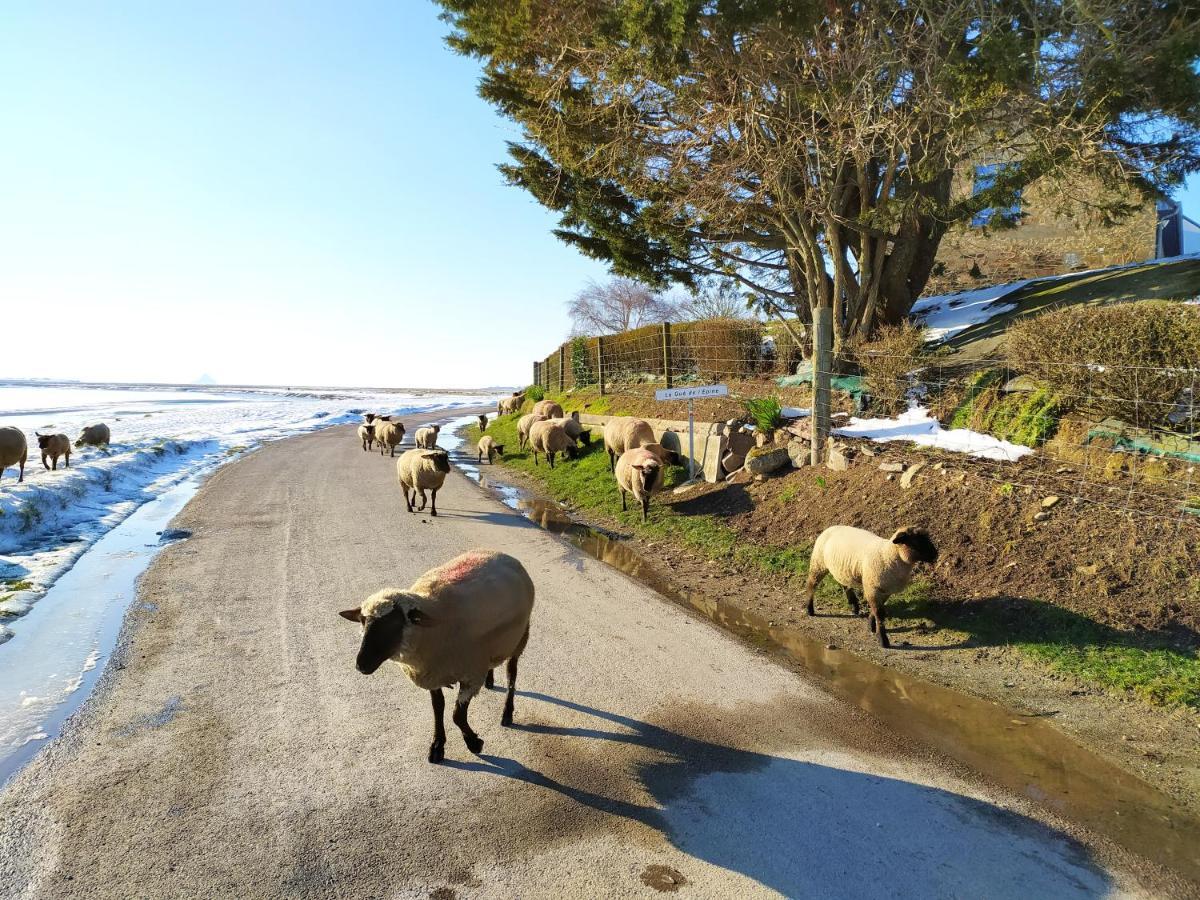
(917, 426)
(945, 315)
(794, 412)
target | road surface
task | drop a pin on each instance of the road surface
(234, 751)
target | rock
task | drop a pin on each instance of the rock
(836, 460)
(760, 477)
(891, 476)
(867, 451)
(764, 461)
(1051, 502)
(1088, 571)
(799, 453)
(910, 473)
(1041, 517)
(762, 438)
(801, 429)
(891, 467)
(1022, 384)
(733, 461)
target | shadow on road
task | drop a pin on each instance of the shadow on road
(811, 829)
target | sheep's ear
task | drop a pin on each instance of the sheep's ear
(417, 617)
(354, 615)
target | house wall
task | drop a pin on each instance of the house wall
(1056, 236)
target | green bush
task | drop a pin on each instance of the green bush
(534, 393)
(886, 363)
(581, 362)
(1131, 361)
(766, 412)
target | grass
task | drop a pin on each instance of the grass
(1066, 643)
(1029, 418)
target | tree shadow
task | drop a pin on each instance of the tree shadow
(806, 828)
(731, 500)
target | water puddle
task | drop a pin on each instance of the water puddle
(60, 647)
(1019, 751)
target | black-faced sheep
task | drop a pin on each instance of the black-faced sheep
(54, 446)
(388, 435)
(451, 627)
(639, 472)
(426, 436)
(366, 434)
(489, 448)
(525, 423)
(482, 423)
(420, 470)
(623, 433)
(548, 438)
(96, 435)
(574, 428)
(877, 567)
(14, 449)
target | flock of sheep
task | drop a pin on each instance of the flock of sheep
(14, 447)
(423, 468)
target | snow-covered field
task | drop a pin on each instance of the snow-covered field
(159, 438)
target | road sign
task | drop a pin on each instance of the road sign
(692, 393)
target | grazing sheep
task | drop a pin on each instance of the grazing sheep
(426, 437)
(623, 433)
(54, 446)
(366, 433)
(574, 428)
(510, 404)
(14, 449)
(639, 472)
(878, 567)
(388, 434)
(548, 408)
(526, 422)
(489, 447)
(422, 470)
(547, 437)
(451, 627)
(482, 423)
(96, 435)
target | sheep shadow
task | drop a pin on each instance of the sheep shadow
(809, 829)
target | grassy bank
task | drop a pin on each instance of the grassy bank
(1154, 667)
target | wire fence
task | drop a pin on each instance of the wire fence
(1125, 437)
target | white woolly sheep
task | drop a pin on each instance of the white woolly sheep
(54, 446)
(525, 423)
(426, 436)
(388, 435)
(366, 434)
(452, 626)
(548, 438)
(623, 433)
(574, 428)
(639, 472)
(877, 567)
(422, 470)
(549, 409)
(488, 447)
(96, 435)
(14, 449)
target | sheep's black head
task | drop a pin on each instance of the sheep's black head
(43, 440)
(369, 417)
(499, 448)
(440, 458)
(915, 545)
(650, 470)
(381, 635)
(584, 437)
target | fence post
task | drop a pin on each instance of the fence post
(562, 358)
(600, 363)
(822, 370)
(666, 348)
(537, 376)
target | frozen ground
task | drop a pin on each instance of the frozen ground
(917, 426)
(160, 437)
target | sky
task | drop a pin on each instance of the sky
(266, 193)
(271, 193)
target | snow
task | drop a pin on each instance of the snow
(917, 426)
(160, 438)
(795, 412)
(945, 315)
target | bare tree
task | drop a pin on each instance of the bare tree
(714, 298)
(617, 305)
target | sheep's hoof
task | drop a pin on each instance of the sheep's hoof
(437, 752)
(474, 744)
(884, 641)
(810, 610)
(871, 624)
(506, 720)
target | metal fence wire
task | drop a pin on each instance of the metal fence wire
(1086, 431)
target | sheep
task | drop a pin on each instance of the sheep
(548, 408)
(366, 434)
(549, 438)
(511, 404)
(420, 470)
(96, 435)
(525, 423)
(426, 437)
(451, 627)
(574, 428)
(368, 418)
(623, 433)
(388, 435)
(639, 472)
(877, 567)
(482, 423)
(54, 446)
(487, 445)
(14, 449)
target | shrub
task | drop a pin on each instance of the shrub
(1132, 361)
(886, 363)
(534, 393)
(766, 413)
(581, 362)
(631, 354)
(720, 348)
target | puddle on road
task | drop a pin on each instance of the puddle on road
(1019, 751)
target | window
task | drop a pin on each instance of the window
(985, 179)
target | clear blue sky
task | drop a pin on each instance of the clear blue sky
(293, 192)
(287, 193)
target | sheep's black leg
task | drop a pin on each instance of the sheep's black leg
(409, 500)
(45, 464)
(506, 719)
(612, 461)
(437, 750)
(473, 741)
(645, 509)
(550, 456)
(624, 507)
(852, 599)
(433, 502)
(815, 574)
(489, 680)
(880, 630)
